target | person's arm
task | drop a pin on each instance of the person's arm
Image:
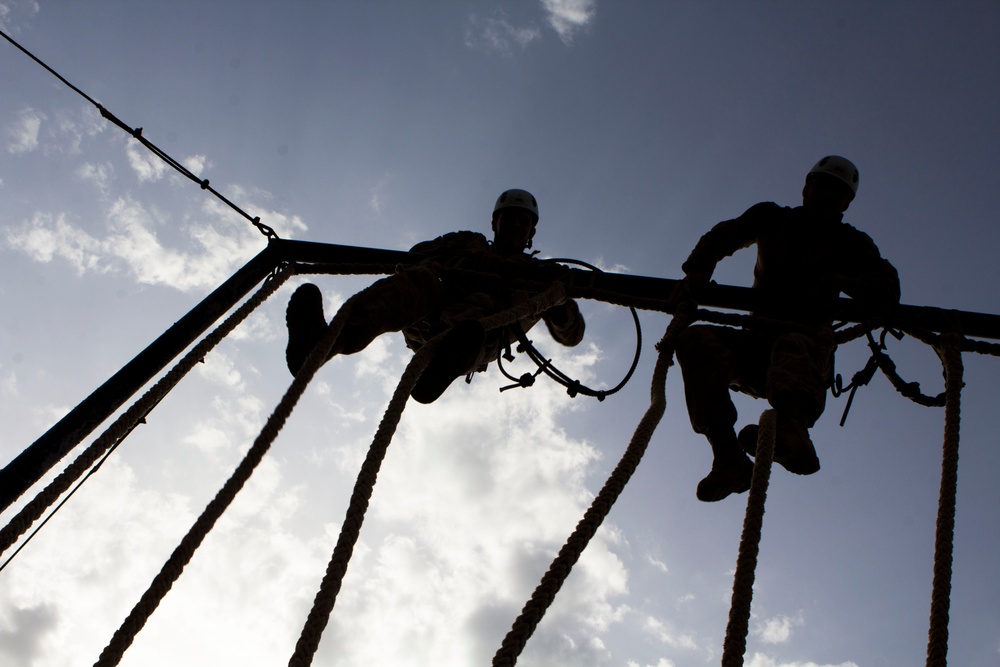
(565, 322)
(874, 281)
(725, 238)
(450, 244)
(720, 242)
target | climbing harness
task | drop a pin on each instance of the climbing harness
(880, 360)
(573, 387)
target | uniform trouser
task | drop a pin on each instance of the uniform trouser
(792, 370)
(417, 302)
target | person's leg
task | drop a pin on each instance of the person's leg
(797, 380)
(389, 304)
(707, 359)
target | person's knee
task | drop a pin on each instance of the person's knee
(690, 342)
(701, 346)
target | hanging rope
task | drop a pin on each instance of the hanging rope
(174, 566)
(326, 597)
(937, 634)
(136, 133)
(133, 416)
(543, 596)
(735, 643)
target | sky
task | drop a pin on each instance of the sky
(637, 125)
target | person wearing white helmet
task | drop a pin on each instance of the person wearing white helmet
(806, 258)
(425, 299)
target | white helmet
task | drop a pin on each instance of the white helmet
(840, 168)
(516, 199)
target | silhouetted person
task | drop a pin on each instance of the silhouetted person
(422, 302)
(806, 257)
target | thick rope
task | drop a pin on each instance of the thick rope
(133, 416)
(937, 634)
(543, 596)
(174, 566)
(735, 643)
(326, 597)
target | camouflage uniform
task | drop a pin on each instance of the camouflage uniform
(421, 302)
(804, 261)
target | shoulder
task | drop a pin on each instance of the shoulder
(452, 242)
(765, 210)
(763, 213)
(855, 236)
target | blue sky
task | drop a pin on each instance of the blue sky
(637, 125)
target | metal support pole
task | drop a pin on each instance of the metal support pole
(640, 291)
(30, 465)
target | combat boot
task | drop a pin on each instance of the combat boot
(731, 469)
(793, 449)
(306, 323)
(728, 475)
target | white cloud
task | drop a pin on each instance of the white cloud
(664, 633)
(777, 630)
(250, 200)
(70, 129)
(475, 498)
(761, 660)
(477, 494)
(9, 386)
(21, 10)
(46, 237)
(662, 662)
(100, 175)
(221, 242)
(63, 134)
(568, 16)
(22, 134)
(496, 34)
(220, 369)
(196, 164)
(657, 563)
(107, 530)
(146, 165)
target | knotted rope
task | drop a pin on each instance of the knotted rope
(543, 596)
(133, 416)
(735, 643)
(326, 597)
